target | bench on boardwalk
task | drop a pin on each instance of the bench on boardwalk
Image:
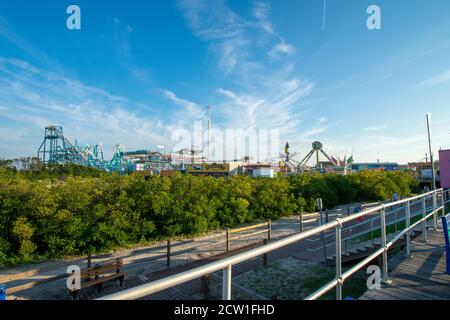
(446, 228)
(99, 274)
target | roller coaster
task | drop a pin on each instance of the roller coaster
(57, 149)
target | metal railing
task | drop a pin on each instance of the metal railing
(366, 227)
(227, 264)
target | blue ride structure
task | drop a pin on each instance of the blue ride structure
(57, 149)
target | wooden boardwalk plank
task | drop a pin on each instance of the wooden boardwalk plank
(421, 277)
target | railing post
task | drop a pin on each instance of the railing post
(371, 230)
(169, 245)
(383, 244)
(395, 220)
(443, 202)
(265, 254)
(269, 230)
(435, 218)
(301, 222)
(226, 283)
(89, 260)
(408, 232)
(346, 236)
(205, 286)
(339, 260)
(424, 214)
(228, 240)
(322, 237)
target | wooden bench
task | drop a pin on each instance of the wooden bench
(99, 274)
(446, 228)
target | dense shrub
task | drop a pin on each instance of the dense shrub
(67, 211)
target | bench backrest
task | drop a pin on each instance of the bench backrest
(102, 269)
(446, 227)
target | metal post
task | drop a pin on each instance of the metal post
(269, 230)
(228, 240)
(424, 213)
(435, 218)
(371, 230)
(205, 286)
(395, 220)
(383, 244)
(327, 220)
(89, 260)
(301, 222)
(168, 253)
(322, 237)
(265, 254)
(408, 233)
(226, 283)
(339, 261)
(443, 202)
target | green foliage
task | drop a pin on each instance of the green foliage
(68, 211)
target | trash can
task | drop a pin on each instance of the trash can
(2, 292)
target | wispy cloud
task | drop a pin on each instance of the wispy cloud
(121, 35)
(260, 92)
(322, 120)
(189, 106)
(435, 80)
(261, 11)
(33, 98)
(281, 48)
(234, 40)
(374, 128)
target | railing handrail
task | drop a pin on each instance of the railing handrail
(224, 264)
(367, 221)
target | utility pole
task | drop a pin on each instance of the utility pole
(433, 175)
(209, 133)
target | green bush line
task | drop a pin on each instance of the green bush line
(71, 211)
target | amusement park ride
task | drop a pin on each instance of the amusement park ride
(291, 166)
(57, 149)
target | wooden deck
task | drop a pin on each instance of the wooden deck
(421, 277)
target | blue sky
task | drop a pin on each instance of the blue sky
(138, 70)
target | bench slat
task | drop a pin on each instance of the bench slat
(101, 280)
(99, 271)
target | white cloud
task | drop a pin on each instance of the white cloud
(261, 11)
(281, 48)
(33, 98)
(437, 79)
(374, 128)
(189, 106)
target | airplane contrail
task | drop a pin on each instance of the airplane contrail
(324, 13)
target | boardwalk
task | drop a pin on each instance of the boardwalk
(421, 277)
